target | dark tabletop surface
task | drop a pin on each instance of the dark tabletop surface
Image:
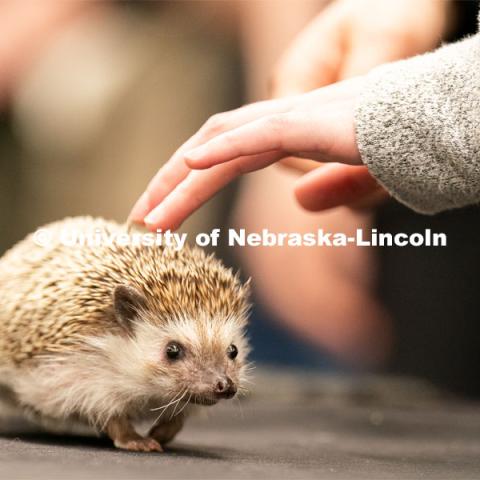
(291, 426)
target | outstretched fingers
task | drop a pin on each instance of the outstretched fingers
(199, 187)
(174, 171)
(317, 125)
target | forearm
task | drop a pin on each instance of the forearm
(418, 127)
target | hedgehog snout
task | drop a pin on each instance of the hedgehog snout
(224, 388)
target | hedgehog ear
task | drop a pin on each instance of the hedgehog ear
(127, 301)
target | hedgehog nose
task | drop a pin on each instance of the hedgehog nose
(225, 388)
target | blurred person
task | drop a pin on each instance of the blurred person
(258, 142)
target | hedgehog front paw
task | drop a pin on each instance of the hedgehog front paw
(124, 436)
(139, 445)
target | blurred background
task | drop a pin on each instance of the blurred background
(95, 96)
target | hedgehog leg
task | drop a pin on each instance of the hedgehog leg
(124, 436)
(165, 432)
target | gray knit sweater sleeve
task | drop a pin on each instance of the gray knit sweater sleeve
(418, 127)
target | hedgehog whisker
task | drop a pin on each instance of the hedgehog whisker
(165, 407)
(167, 404)
(239, 403)
(183, 408)
(178, 403)
(173, 402)
(246, 380)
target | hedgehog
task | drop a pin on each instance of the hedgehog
(109, 338)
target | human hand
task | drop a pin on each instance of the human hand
(348, 38)
(342, 41)
(316, 125)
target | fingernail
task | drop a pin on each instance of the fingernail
(196, 153)
(140, 209)
(154, 217)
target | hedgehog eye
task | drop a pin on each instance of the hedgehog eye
(232, 351)
(174, 351)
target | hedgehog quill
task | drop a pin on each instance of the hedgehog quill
(108, 337)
